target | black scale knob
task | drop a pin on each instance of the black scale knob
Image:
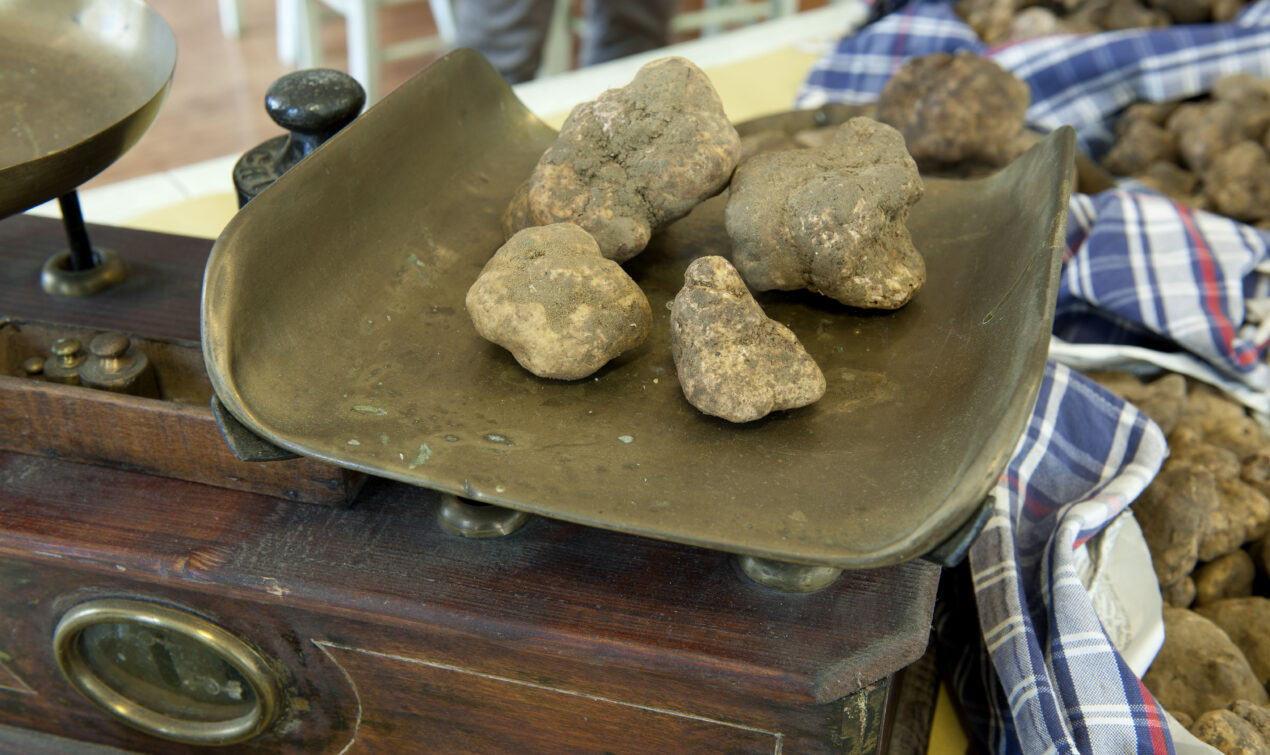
(312, 105)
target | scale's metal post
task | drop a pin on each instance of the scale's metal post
(81, 252)
(81, 270)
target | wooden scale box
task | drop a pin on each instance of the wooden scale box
(161, 594)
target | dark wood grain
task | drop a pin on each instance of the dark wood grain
(558, 638)
(96, 427)
(158, 306)
(160, 297)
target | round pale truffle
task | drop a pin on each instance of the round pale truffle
(550, 298)
(733, 361)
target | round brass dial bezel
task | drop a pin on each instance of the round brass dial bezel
(215, 639)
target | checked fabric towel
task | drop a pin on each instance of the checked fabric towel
(1041, 674)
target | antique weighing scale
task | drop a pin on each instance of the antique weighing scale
(332, 327)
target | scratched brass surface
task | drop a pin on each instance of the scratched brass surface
(333, 325)
(80, 81)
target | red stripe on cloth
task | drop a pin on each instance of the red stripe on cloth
(1031, 505)
(1072, 248)
(897, 50)
(1154, 725)
(1210, 299)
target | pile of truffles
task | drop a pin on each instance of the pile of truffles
(1206, 520)
(997, 21)
(1210, 154)
(830, 219)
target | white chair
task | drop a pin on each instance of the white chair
(231, 17)
(301, 40)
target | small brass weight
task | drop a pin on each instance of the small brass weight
(63, 366)
(114, 365)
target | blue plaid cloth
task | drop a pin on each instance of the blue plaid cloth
(1044, 676)
(1139, 270)
(1076, 80)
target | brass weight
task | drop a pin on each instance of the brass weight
(63, 365)
(115, 365)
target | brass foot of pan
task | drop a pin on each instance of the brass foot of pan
(465, 518)
(787, 577)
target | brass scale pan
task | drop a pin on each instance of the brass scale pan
(80, 81)
(334, 327)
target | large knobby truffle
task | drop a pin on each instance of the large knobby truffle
(634, 160)
(830, 219)
(733, 361)
(955, 109)
(550, 298)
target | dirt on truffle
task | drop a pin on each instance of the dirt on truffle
(831, 220)
(732, 360)
(634, 160)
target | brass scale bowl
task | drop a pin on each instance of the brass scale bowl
(334, 327)
(80, 82)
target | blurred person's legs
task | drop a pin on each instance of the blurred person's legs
(510, 33)
(616, 28)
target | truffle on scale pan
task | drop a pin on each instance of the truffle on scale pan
(633, 161)
(732, 360)
(550, 298)
(830, 219)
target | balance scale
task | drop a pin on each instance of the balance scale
(446, 548)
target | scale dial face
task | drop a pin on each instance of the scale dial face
(166, 671)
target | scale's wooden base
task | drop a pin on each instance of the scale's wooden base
(390, 635)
